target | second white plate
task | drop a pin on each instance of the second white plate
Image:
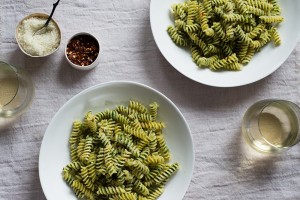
(263, 64)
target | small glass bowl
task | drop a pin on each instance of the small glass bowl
(39, 15)
(85, 67)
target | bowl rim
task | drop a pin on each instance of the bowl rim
(43, 15)
(94, 63)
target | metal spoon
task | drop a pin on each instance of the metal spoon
(43, 29)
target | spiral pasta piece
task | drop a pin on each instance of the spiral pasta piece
(109, 162)
(256, 31)
(249, 55)
(153, 110)
(177, 36)
(121, 159)
(166, 173)
(137, 132)
(219, 64)
(88, 182)
(192, 12)
(72, 166)
(139, 107)
(154, 194)
(144, 154)
(82, 190)
(204, 21)
(155, 159)
(68, 177)
(141, 144)
(87, 149)
(103, 138)
(124, 196)
(243, 50)
(163, 148)
(90, 121)
(179, 11)
(140, 188)
(110, 190)
(271, 19)
(275, 36)
(75, 132)
(100, 158)
(142, 117)
(260, 4)
(219, 30)
(128, 144)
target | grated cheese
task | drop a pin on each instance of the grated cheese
(38, 45)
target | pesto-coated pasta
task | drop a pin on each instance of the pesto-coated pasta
(119, 154)
(218, 30)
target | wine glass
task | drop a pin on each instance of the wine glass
(16, 92)
(272, 125)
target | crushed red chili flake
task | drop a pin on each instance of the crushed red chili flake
(82, 50)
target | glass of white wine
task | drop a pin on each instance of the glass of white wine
(16, 92)
(272, 125)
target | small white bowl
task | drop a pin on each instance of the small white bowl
(87, 67)
(40, 15)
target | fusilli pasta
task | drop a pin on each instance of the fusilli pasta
(219, 30)
(119, 154)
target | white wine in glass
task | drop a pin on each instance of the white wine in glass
(272, 125)
(16, 92)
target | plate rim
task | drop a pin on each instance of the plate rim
(104, 84)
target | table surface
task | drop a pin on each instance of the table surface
(225, 168)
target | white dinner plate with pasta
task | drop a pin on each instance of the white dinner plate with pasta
(114, 139)
(221, 36)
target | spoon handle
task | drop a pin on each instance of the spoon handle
(49, 18)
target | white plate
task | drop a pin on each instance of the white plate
(54, 152)
(262, 65)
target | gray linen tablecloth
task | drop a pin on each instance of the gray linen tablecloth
(223, 168)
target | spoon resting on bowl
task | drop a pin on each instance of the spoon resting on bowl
(43, 29)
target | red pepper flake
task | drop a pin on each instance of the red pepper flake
(82, 50)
